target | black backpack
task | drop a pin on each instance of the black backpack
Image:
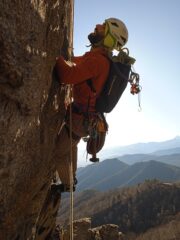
(120, 74)
(114, 87)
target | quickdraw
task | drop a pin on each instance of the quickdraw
(135, 87)
(134, 81)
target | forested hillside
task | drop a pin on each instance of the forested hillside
(134, 209)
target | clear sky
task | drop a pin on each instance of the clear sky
(154, 40)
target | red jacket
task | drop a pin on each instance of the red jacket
(92, 65)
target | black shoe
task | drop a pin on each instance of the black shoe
(75, 181)
(61, 188)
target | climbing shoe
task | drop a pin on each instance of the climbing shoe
(61, 188)
(75, 181)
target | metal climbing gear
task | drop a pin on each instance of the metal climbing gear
(97, 133)
(135, 87)
(134, 81)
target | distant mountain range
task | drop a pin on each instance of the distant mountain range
(172, 159)
(124, 189)
(146, 148)
(168, 147)
(113, 173)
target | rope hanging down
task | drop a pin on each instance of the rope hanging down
(71, 173)
(70, 93)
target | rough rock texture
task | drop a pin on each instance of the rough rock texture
(32, 34)
(83, 231)
(106, 232)
(46, 223)
(80, 227)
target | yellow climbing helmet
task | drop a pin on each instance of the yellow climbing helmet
(116, 34)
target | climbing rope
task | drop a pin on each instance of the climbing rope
(70, 129)
(71, 172)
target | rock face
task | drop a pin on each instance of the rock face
(106, 232)
(80, 230)
(32, 34)
(83, 231)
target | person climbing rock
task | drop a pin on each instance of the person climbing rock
(94, 65)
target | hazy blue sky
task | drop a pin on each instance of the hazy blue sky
(154, 38)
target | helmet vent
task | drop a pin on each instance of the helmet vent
(123, 39)
(114, 24)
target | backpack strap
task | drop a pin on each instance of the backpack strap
(89, 81)
(90, 85)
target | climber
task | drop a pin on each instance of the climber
(94, 65)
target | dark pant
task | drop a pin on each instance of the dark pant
(62, 152)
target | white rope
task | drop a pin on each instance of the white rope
(71, 156)
(71, 178)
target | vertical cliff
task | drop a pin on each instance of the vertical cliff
(32, 34)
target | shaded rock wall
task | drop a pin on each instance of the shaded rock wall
(32, 34)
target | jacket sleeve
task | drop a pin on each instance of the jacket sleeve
(86, 69)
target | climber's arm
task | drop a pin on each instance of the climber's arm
(77, 73)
